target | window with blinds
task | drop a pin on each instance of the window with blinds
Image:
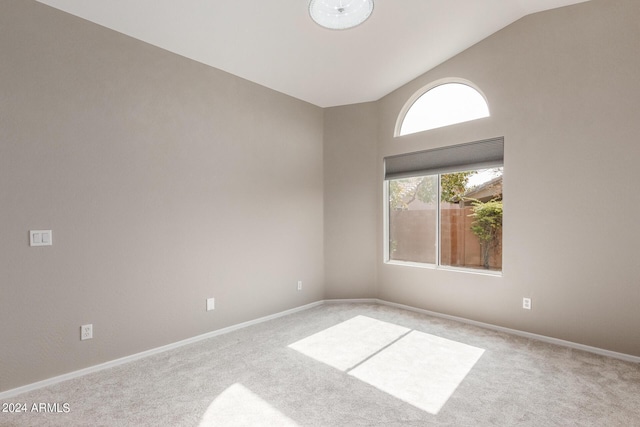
(444, 206)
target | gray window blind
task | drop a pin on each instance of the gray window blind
(473, 155)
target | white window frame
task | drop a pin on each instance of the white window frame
(437, 266)
(422, 91)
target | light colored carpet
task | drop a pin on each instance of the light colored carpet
(410, 370)
(238, 406)
(421, 369)
(349, 343)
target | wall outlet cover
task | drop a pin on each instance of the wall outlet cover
(86, 332)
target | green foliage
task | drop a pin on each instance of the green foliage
(403, 192)
(487, 226)
(428, 189)
(454, 185)
(396, 195)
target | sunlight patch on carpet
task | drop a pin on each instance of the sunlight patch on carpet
(346, 344)
(239, 406)
(421, 369)
(418, 368)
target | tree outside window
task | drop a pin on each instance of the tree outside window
(452, 219)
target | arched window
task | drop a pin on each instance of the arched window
(442, 105)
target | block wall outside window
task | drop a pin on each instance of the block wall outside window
(452, 220)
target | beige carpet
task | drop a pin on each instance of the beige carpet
(350, 365)
(421, 369)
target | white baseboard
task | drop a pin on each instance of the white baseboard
(112, 363)
(353, 301)
(34, 386)
(556, 341)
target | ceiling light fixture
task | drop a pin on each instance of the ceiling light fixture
(340, 14)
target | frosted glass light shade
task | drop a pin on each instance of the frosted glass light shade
(340, 14)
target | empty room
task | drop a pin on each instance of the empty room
(319, 213)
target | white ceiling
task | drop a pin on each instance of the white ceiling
(276, 44)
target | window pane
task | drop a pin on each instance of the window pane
(471, 219)
(413, 207)
(444, 105)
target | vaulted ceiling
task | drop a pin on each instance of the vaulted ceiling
(275, 43)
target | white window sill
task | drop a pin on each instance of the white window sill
(445, 268)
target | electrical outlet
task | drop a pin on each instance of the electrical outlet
(299, 285)
(86, 332)
(211, 304)
(526, 303)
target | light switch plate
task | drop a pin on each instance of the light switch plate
(211, 304)
(40, 237)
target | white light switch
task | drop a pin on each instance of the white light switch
(40, 238)
(211, 304)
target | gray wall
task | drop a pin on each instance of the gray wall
(350, 203)
(164, 181)
(563, 90)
